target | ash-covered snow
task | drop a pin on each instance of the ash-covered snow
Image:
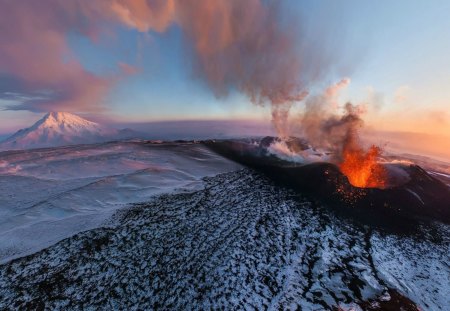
(239, 242)
(47, 195)
(413, 265)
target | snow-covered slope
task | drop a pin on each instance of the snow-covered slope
(240, 243)
(59, 129)
(50, 194)
(201, 233)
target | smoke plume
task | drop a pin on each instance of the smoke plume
(249, 46)
(327, 124)
(341, 132)
(322, 124)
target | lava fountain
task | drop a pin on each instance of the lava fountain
(362, 167)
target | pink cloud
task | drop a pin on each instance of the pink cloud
(34, 51)
(243, 45)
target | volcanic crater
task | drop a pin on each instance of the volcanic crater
(408, 192)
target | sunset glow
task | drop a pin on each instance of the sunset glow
(224, 154)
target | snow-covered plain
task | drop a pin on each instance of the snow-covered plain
(49, 194)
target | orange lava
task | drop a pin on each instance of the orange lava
(362, 168)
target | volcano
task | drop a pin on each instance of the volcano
(60, 129)
(410, 192)
(205, 234)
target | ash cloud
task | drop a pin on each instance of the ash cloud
(341, 132)
(251, 46)
(320, 121)
(327, 124)
(324, 127)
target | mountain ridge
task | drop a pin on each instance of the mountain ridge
(60, 129)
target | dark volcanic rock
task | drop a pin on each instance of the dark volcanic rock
(240, 243)
(421, 196)
(393, 302)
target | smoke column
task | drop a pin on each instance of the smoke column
(250, 46)
(323, 125)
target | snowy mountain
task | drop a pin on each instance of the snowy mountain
(60, 129)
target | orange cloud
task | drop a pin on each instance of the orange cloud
(439, 116)
(144, 15)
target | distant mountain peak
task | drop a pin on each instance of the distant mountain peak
(60, 114)
(64, 117)
(63, 121)
(59, 129)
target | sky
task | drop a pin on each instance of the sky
(139, 67)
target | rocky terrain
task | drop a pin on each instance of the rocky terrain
(409, 192)
(241, 242)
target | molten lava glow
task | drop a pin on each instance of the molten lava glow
(361, 167)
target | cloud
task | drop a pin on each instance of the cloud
(331, 94)
(35, 56)
(374, 99)
(249, 46)
(145, 15)
(440, 117)
(128, 69)
(401, 94)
